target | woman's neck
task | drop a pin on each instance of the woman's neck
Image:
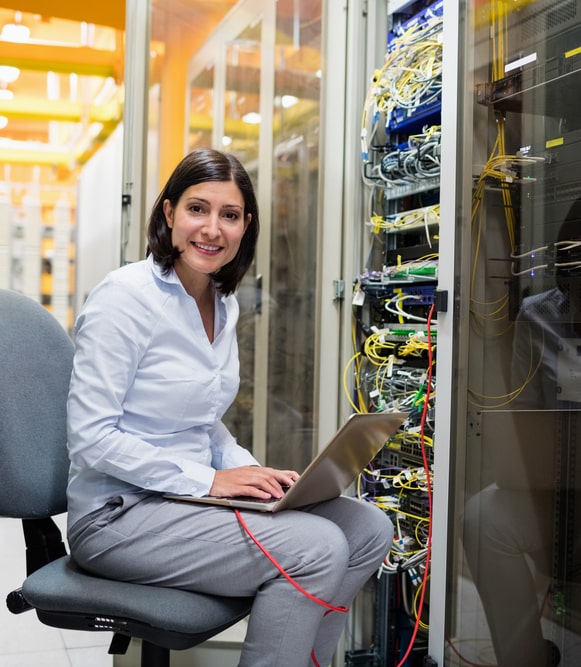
(201, 289)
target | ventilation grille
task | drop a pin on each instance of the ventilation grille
(553, 16)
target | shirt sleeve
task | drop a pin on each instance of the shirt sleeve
(226, 452)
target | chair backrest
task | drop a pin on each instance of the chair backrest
(36, 357)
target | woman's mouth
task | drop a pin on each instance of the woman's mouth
(206, 247)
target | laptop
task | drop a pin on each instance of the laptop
(330, 473)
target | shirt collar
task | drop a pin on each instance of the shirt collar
(171, 277)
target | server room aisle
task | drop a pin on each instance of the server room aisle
(24, 641)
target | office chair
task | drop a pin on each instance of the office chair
(35, 365)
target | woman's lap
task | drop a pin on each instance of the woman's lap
(171, 543)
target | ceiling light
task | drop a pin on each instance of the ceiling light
(3, 122)
(9, 74)
(226, 140)
(52, 86)
(288, 101)
(252, 118)
(15, 32)
(6, 94)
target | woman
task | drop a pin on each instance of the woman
(155, 368)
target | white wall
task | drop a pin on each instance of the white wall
(98, 226)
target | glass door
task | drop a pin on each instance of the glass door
(514, 540)
(296, 110)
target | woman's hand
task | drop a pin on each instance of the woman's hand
(254, 481)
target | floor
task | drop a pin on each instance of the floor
(471, 643)
(24, 641)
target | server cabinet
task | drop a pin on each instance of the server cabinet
(506, 529)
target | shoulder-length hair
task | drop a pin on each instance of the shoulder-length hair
(200, 166)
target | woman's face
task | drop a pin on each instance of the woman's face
(207, 226)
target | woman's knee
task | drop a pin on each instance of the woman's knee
(330, 544)
(368, 529)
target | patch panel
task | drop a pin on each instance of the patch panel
(411, 448)
(415, 504)
(388, 458)
(423, 295)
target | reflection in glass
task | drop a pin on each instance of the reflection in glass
(242, 96)
(516, 598)
(241, 129)
(200, 109)
(294, 233)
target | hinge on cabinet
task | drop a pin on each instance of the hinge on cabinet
(441, 301)
(338, 290)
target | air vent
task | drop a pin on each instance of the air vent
(553, 16)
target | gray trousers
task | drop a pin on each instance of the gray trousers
(330, 549)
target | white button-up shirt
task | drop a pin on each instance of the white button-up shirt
(148, 391)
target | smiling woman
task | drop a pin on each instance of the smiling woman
(207, 227)
(154, 371)
(226, 220)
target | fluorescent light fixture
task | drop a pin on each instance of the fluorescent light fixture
(15, 32)
(6, 94)
(9, 74)
(3, 122)
(288, 101)
(53, 91)
(252, 118)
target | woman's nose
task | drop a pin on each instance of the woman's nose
(212, 226)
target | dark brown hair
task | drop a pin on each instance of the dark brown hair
(201, 166)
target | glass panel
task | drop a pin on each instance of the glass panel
(201, 101)
(241, 129)
(178, 29)
(242, 96)
(517, 584)
(294, 233)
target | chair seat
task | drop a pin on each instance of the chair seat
(183, 619)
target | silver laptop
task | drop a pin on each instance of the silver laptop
(329, 474)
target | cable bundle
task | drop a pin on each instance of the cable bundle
(417, 160)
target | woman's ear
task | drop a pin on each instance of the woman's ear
(247, 221)
(168, 212)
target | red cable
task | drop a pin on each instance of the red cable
(342, 609)
(429, 490)
(285, 574)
